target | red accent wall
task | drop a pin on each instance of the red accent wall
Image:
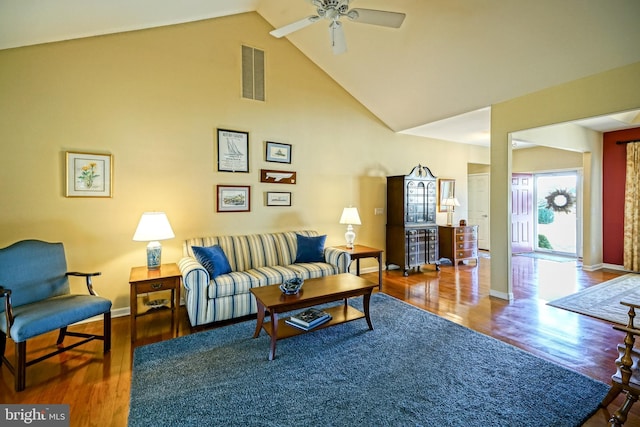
(614, 169)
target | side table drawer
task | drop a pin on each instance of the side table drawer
(465, 245)
(155, 286)
(467, 253)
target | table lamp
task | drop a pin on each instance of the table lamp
(350, 217)
(153, 226)
(450, 203)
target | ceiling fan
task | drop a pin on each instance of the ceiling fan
(333, 10)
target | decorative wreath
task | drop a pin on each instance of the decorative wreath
(560, 201)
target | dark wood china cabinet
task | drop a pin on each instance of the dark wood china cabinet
(412, 233)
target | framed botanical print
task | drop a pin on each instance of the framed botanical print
(88, 175)
(233, 198)
(233, 151)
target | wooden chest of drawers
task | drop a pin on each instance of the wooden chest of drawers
(411, 247)
(458, 243)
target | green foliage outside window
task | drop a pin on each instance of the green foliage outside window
(543, 242)
(545, 215)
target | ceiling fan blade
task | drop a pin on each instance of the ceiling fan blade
(294, 26)
(338, 41)
(377, 17)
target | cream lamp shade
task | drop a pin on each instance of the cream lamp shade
(350, 217)
(450, 203)
(153, 226)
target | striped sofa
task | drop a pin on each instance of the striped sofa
(255, 260)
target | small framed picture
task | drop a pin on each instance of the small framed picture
(88, 175)
(233, 198)
(278, 152)
(278, 198)
(233, 151)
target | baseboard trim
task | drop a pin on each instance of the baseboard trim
(502, 295)
(366, 270)
(594, 267)
(616, 267)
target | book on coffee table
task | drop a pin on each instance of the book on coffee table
(309, 318)
(308, 328)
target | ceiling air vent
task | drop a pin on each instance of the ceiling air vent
(252, 73)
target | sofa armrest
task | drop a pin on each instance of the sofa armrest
(195, 279)
(194, 275)
(338, 257)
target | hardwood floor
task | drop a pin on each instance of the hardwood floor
(97, 386)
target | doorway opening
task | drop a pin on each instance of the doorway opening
(557, 224)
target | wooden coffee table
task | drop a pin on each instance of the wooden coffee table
(314, 291)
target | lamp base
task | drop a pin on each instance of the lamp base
(449, 218)
(154, 255)
(350, 236)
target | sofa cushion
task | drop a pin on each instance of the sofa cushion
(310, 249)
(312, 270)
(234, 283)
(213, 259)
(273, 275)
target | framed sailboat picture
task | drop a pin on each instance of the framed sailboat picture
(233, 151)
(278, 152)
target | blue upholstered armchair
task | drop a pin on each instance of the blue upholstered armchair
(35, 298)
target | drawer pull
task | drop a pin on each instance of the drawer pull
(156, 285)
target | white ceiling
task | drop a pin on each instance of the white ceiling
(436, 76)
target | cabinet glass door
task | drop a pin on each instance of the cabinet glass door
(416, 210)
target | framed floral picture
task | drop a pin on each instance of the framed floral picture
(233, 198)
(88, 175)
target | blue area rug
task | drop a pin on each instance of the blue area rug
(414, 368)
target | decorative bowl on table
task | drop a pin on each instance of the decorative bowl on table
(157, 303)
(291, 286)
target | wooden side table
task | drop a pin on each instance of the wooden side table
(359, 251)
(143, 280)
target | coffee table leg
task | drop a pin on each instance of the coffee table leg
(365, 303)
(260, 319)
(274, 335)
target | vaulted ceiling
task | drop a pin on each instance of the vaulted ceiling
(449, 58)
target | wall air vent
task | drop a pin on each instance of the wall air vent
(252, 73)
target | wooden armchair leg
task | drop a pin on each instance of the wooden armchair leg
(620, 416)
(3, 345)
(107, 332)
(61, 335)
(21, 366)
(614, 391)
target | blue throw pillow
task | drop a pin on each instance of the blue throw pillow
(213, 259)
(310, 249)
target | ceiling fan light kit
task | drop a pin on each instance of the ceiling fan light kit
(333, 10)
